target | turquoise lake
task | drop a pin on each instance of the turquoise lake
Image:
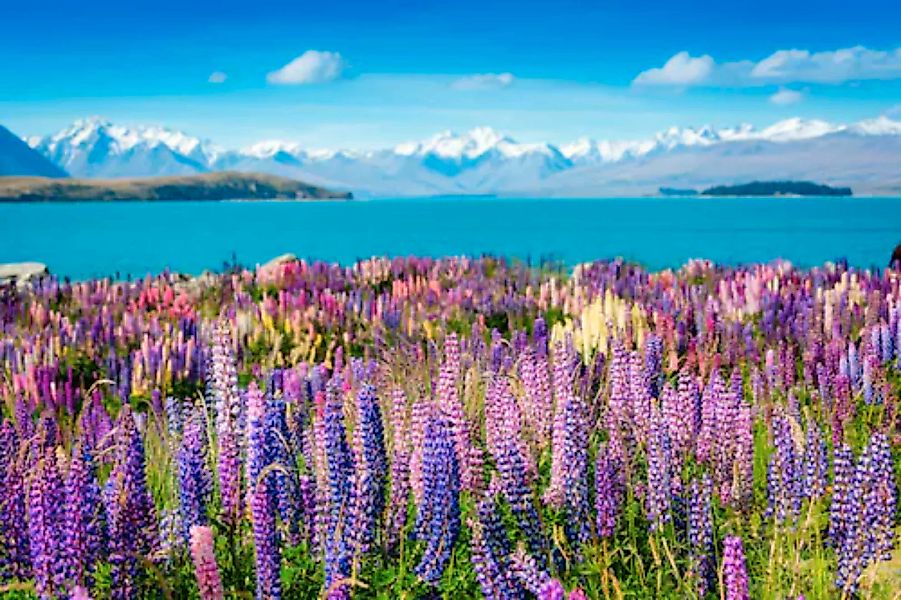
(133, 238)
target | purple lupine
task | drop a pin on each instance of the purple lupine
(700, 533)
(659, 494)
(490, 549)
(85, 525)
(783, 479)
(266, 541)
(451, 405)
(815, 463)
(552, 590)
(564, 363)
(735, 573)
(513, 483)
(131, 515)
(45, 526)
(194, 479)
(209, 583)
(840, 508)
(340, 486)
(371, 468)
(438, 517)
(259, 451)
(14, 551)
(223, 384)
(527, 571)
(609, 490)
(881, 502)
(742, 492)
(575, 479)
(400, 469)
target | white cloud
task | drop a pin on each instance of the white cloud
(217, 77)
(785, 96)
(484, 81)
(781, 67)
(681, 69)
(313, 66)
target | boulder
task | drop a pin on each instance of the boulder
(22, 273)
(278, 261)
(896, 256)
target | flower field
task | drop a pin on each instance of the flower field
(456, 428)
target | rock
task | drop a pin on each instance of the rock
(896, 256)
(22, 273)
(278, 261)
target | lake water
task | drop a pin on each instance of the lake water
(97, 239)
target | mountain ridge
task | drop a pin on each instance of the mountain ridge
(481, 160)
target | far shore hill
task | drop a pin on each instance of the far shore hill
(763, 188)
(225, 185)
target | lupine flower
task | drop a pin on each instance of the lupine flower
(45, 526)
(660, 497)
(340, 468)
(194, 480)
(840, 509)
(490, 549)
(609, 490)
(700, 532)
(552, 590)
(783, 480)
(14, 552)
(735, 574)
(371, 468)
(203, 554)
(223, 384)
(266, 542)
(815, 463)
(84, 526)
(438, 518)
(130, 512)
(513, 483)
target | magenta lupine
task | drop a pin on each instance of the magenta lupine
(552, 590)
(209, 583)
(438, 517)
(266, 542)
(735, 573)
(609, 490)
(45, 526)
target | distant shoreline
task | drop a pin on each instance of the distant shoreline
(224, 186)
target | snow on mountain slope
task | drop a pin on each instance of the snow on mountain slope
(481, 160)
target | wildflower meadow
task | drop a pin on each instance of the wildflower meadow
(453, 428)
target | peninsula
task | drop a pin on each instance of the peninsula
(227, 185)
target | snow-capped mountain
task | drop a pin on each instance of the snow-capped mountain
(483, 160)
(94, 147)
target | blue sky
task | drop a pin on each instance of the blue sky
(378, 73)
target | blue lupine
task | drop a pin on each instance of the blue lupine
(340, 467)
(131, 515)
(194, 479)
(438, 518)
(513, 484)
(659, 493)
(815, 462)
(490, 550)
(371, 468)
(783, 479)
(700, 532)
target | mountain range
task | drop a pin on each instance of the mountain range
(864, 155)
